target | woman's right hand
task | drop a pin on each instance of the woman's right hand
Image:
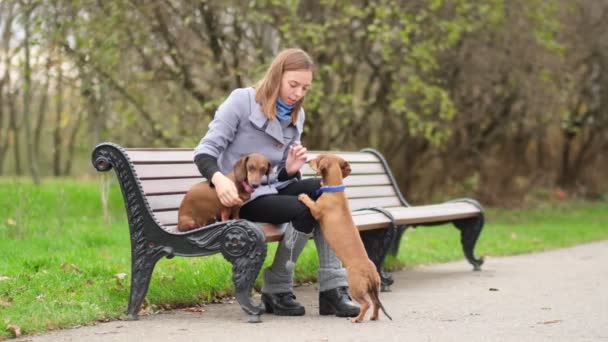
(226, 190)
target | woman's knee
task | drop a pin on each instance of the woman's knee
(304, 221)
(312, 187)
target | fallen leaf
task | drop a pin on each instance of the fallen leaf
(167, 306)
(4, 278)
(493, 289)
(15, 330)
(148, 310)
(69, 267)
(195, 309)
(119, 278)
(550, 322)
(5, 303)
(11, 222)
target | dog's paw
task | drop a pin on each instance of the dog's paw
(303, 198)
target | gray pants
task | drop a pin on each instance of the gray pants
(278, 277)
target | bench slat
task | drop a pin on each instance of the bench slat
(189, 170)
(441, 207)
(164, 156)
(356, 169)
(181, 155)
(166, 212)
(424, 213)
(351, 157)
(164, 171)
(181, 185)
(166, 218)
(383, 202)
(272, 232)
(371, 220)
(172, 202)
(168, 186)
(164, 202)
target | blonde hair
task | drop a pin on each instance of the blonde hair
(267, 89)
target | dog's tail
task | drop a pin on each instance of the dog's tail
(376, 300)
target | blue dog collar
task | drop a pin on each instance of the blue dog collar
(336, 188)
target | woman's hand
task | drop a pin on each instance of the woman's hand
(296, 158)
(226, 190)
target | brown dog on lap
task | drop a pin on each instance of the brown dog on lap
(201, 205)
(332, 211)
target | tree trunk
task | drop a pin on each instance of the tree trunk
(6, 18)
(42, 109)
(564, 178)
(10, 133)
(27, 98)
(3, 141)
(57, 150)
(71, 144)
(13, 132)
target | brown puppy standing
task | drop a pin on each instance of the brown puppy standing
(201, 206)
(333, 212)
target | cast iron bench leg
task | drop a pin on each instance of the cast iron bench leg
(244, 245)
(470, 229)
(377, 243)
(143, 259)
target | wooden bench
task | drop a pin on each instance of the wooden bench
(153, 182)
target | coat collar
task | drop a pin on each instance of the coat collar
(272, 128)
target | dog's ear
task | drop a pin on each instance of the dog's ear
(323, 163)
(240, 169)
(346, 170)
(268, 172)
(314, 165)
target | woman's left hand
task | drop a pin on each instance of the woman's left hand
(296, 158)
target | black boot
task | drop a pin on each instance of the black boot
(337, 301)
(282, 304)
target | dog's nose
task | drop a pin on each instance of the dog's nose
(255, 186)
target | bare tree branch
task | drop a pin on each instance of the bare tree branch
(147, 116)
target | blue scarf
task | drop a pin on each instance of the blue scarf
(283, 110)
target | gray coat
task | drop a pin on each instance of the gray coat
(239, 127)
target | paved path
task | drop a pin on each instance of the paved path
(560, 295)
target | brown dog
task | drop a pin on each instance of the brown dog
(201, 206)
(333, 212)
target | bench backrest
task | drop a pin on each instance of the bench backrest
(167, 174)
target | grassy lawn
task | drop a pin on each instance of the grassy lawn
(64, 263)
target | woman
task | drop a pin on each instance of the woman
(268, 118)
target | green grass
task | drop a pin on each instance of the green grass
(63, 263)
